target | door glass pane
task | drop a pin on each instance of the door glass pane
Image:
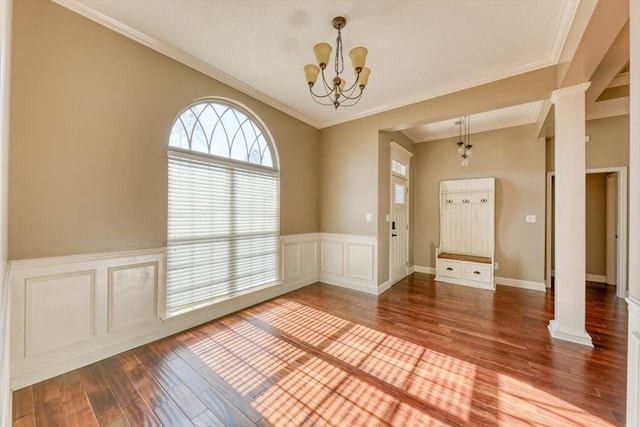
(399, 194)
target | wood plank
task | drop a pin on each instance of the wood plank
(22, 404)
(467, 258)
(140, 415)
(421, 353)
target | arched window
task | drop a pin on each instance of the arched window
(223, 212)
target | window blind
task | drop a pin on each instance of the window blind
(223, 228)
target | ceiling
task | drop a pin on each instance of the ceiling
(417, 49)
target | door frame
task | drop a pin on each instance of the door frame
(401, 154)
(621, 262)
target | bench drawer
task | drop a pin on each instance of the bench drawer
(477, 272)
(450, 268)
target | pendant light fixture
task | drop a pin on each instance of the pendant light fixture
(335, 91)
(464, 141)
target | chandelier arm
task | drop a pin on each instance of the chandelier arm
(318, 98)
(349, 93)
(327, 87)
(333, 91)
(321, 96)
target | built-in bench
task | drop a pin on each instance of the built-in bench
(467, 258)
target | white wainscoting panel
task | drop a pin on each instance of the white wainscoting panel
(332, 258)
(360, 260)
(59, 312)
(309, 262)
(299, 258)
(69, 311)
(133, 296)
(633, 363)
(349, 261)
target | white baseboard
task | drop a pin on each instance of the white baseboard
(524, 284)
(104, 324)
(516, 283)
(426, 270)
(385, 287)
(598, 278)
(349, 261)
(107, 316)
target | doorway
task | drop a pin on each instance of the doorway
(616, 227)
(399, 216)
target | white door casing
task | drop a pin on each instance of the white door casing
(399, 248)
(611, 227)
(399, 216)
(621, 220)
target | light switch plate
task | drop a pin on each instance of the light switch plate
(531, 218)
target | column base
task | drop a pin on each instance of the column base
(557, 332)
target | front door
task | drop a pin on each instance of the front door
(399, 250)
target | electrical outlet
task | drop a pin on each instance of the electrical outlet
(495, 265)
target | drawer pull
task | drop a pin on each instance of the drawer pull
(449, 269)
(476, 272)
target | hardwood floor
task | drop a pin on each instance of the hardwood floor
(423, 353)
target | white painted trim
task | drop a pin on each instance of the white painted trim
(548, 234)
(504, 281)
(342, 274)
(599, 278)
(633, 363)
(399, 154)
(567, 16)
(27, 369)
(621, 250)
(179, 55)
(562, 30)
(577, 337)
(426, 270)
(523, 284)
(569, 90)
(6, 7)
(385, 286)
(356, 256)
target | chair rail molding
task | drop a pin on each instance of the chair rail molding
(114, 301)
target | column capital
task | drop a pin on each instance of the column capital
(579, 88)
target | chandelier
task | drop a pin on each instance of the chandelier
(334, 92)
(464, 144)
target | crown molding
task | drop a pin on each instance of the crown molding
(567, 15)
(179, 55)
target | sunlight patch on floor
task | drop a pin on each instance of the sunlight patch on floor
(330, 371)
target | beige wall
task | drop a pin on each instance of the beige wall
(596, 220)
(90, 116)
(608, 147)
(515, 157)
(349, 153)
